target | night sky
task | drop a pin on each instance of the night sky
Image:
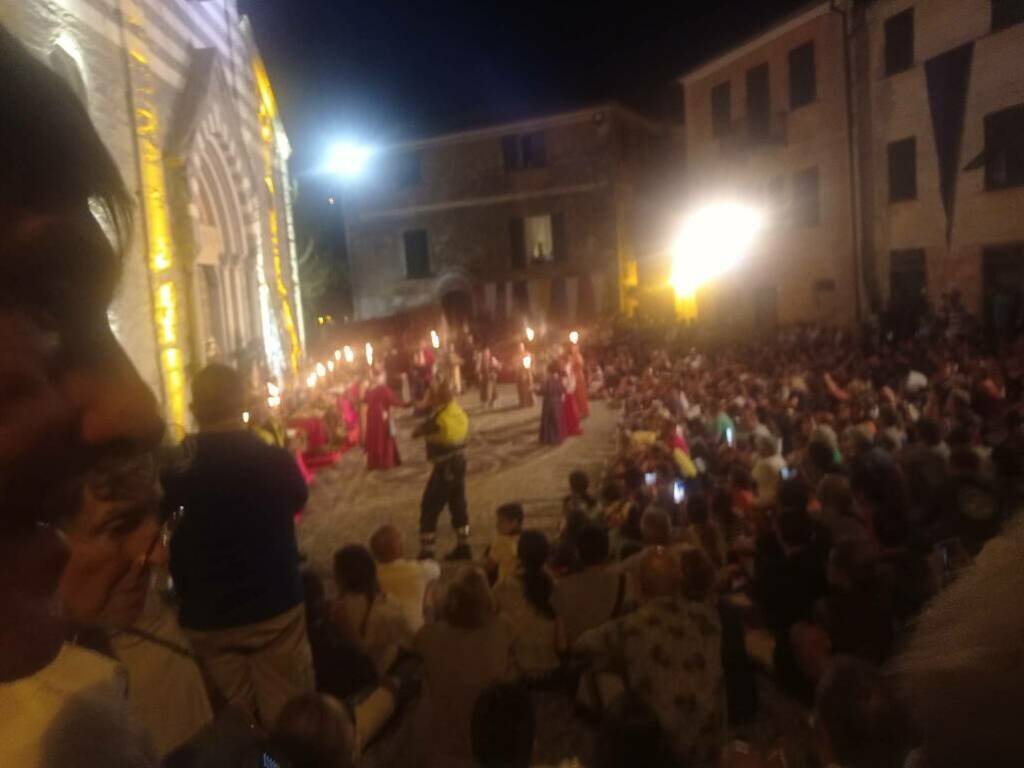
(379, 70)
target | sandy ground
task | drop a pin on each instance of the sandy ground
(505, 463)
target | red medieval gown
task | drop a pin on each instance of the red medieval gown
(380, 445)
(570, 410)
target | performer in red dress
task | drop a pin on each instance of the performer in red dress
(570, 411)
(381, 448)
(579, 371)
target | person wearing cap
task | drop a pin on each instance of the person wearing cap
(445, 432)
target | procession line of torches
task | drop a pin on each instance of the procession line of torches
(348, 355)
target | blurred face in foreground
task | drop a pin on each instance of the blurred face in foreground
(115, 541)
(69, 397)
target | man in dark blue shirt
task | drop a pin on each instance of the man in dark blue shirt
(234, 558)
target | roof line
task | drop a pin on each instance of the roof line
(526, 124)
(791, 21)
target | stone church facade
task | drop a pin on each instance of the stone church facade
(178, 92)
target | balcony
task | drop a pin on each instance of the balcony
(747, 135)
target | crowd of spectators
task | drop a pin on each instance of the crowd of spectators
(837, 512)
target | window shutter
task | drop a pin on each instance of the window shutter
(558, 241)
(517, 242)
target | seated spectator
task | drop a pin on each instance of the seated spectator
(503, 727)
(500, 558)
(315, 730)
(860, 720)
(112, 607)
(970, 510)
(405, 582)
(463, 653)
(789, 579)
(669, 651)
(857, 622)
(363, 616)
(837, 510)
(766, 471)
(703, 533)
(579, 498)
(525, 602)
(565, 558)
(593, 596)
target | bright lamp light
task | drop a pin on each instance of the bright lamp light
(574, 337)
(435, 340)
(711, 242)
(530, 334)
(321, 371)
(350, 356)
(369, 353)
(347, 159)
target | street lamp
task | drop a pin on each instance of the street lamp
(711, 241)
(348, 159)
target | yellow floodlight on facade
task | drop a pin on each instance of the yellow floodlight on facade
(711, 241)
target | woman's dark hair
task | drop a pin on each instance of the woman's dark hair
(533, 552)
(52, 157)
(512, 512)
(592, 545)
(313, 731)
(579, 482)
(355, 571)
(503, 726)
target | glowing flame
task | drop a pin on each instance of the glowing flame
(527, 362)
(574, 337)
(311, 380)
(246, 417)
(273, 390)
(530, 334)
(320, 370)
(435, 340)
(330, 366)
(350, 356)
(369, 353)
(337, 355)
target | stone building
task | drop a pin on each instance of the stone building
(766, 125)
(543, 218)
(884, 141)
(178, 92)
(941, 149)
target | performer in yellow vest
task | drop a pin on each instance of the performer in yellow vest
(446, 431)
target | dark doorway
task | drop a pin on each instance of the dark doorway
(458, 308)
(1003, 276)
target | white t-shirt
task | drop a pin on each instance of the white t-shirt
(405, 583)
(43, 717)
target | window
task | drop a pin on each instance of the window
(806, 206)
(802, 76)
(527, 150)
(1004, 148)
(417, 254)
(899, 42)
(759, 102)
(407, 169)
(721, 109)
(538, 238)
(903, 169)
(1006, 13)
